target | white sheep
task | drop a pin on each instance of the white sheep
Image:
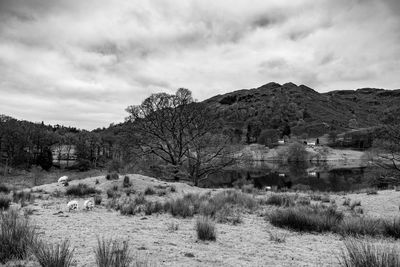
(63, 180)
(72, 205)
(89, 205)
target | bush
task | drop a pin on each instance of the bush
(16, 235)
(126, 182)
(149, 191)
(81, 190)
(205, 229)
(5, 202)
(282, 200)
(53, 255)
(307, 219)
(97, 199)
(360, 253)
(113, 253)
(111, 193)
(112, 176)
(4, 189)
(357, 226)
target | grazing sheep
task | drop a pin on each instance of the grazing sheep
(72, 205)
(63, 180)
(89, 205)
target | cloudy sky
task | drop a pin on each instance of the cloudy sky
(81, 63)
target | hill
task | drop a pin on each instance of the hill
(300, 109)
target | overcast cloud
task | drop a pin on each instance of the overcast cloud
(81, 63)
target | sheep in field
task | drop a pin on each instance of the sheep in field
(72, 205)
(89, 205)
(63, 180)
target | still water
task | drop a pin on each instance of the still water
(322, 177)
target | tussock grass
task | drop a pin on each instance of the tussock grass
(305, 201)
(97, 199)
(281, 200)
(205, 229)
(113, 253)
(126, 183)
(277, 237)
(16, 235)
(392, 228)
(306, 219)
(149, 191)
(359, 226)
(361, 253)
(223, 206)
(4, 189)
(112, 176)
(23, 197)
(153, 207)
(81, 190)
(5, 202)
(59, 255)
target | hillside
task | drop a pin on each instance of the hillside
(301, 109)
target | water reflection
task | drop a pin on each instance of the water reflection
(322, 176)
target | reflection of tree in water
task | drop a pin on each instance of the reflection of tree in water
(298, 170)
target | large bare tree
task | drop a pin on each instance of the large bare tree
(180, 132)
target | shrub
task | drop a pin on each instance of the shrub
(16, 235)
(97, 199)
(149, 191)
(308, 219)
(22, 197)
(53, 255)
(282, 200)
(4, 189)
(81, 190)
(205, 229)
(5, 202)
(360, 253)
(112, 176)
(112, 253)
(126, 182)
(356, 226)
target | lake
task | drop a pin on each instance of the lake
(342, 176)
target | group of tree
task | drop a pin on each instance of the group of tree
(23, 144)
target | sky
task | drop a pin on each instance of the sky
(81, 63)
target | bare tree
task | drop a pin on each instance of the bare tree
(180, 133)
(387, 148)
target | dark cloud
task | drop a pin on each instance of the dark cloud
(83, 62)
